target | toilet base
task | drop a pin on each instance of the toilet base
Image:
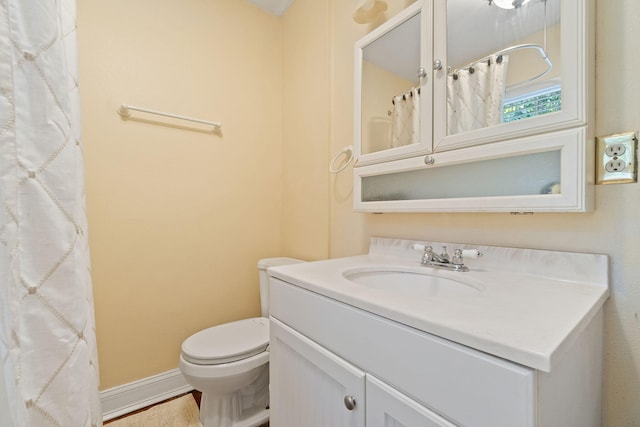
(254, 420)
(244, 408)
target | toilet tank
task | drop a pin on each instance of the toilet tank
(263, 264)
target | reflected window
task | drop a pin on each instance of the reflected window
(532, 104)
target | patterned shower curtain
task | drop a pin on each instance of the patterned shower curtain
(474, 95)
(405, 118)
(48, 362)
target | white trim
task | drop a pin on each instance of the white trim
(130, 397)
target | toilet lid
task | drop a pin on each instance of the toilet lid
(228, 342)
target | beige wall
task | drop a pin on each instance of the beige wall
(178, 217)
(172, 211)
(613, 229)
(306, 126)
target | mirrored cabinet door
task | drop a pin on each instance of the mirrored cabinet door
(394, 80)
(511, 68)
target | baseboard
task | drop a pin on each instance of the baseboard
(130, 397)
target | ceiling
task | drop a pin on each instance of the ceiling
(475, 29)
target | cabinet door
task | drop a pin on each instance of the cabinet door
(543, 173)
(311, 386)
(393, 87)
(387, 407)
(508, 71)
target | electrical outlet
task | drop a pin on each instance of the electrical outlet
(616, 165)
(615, 150)
(617, 161)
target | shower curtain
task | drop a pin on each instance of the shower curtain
(48, 362)
(474, 95)
(405, 119)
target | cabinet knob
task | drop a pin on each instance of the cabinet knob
(422, 72)
(350, 402)
(437, 65)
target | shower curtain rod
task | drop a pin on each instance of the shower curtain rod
(125, 111)
(504, 51)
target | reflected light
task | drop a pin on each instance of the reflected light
(510, 4)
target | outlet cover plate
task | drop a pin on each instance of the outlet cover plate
(629, 142)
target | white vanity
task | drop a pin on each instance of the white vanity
(380, 340)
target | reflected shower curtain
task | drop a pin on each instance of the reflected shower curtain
(405, 119)
(48, 362)
(474, 95)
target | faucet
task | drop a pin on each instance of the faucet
(431, 259)
(442, 258)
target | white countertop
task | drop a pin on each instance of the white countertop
(530, 305)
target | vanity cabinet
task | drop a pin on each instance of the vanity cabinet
(332, 364)
(456, 83)
(388, 407)
(313, 387)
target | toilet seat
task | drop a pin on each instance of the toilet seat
(228, 342)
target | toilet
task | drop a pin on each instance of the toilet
(229, 364)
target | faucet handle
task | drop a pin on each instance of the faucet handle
(422, 248)
(427, 253)
(457, 257)
(444, 254)
(471, 253)
(419, 247)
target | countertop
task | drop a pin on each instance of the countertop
(530, 304)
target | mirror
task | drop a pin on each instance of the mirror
(503, 62)
(490, 74)
(390, 96)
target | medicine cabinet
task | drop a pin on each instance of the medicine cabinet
(447, 80)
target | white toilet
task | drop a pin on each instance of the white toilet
(229, 364)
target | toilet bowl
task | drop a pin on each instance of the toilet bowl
(229, 364)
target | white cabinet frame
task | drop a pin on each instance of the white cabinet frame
(574, 196)
(571, 128)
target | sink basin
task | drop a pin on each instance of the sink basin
(418, 282)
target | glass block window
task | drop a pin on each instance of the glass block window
(532, 104)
